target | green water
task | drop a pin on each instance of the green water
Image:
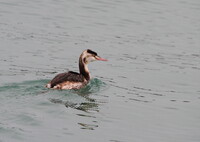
(28, 96)
(34, 88)
(148, 91)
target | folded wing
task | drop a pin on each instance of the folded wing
(68, 76)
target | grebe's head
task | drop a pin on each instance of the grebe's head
(89, 56)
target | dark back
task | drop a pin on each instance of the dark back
(69, 76)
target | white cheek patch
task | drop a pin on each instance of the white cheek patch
(91, 59)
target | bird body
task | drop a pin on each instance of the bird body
(73, 80)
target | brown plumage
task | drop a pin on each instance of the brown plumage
(68, 76)
(73, 80)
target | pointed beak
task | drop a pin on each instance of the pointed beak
(100, 59)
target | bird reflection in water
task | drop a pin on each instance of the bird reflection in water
(89, 104)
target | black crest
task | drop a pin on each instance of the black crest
(92, 52)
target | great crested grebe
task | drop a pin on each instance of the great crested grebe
(73, 80)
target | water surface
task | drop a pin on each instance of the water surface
(147, 91)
